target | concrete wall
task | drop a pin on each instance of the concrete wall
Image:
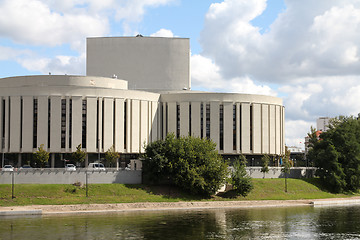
(59, 176)
(275, 172)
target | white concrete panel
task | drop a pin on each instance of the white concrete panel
(195, 119)
(154, 122)
(108, 123)
(238, 130)
(228, 127)
(184, 119)
(42, 123)
(15, 123)
(215, 123)
(91, 121)
(119, 125)
(245, 128)
(164, 125)
(144, 114)
(256, 128)
(272, 129)
(76, 122)
(172, 117)
(278, 129)
(128, 125)
(55, 124)
(135, 126)
(265, 128)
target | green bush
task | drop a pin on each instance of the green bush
(193, 164)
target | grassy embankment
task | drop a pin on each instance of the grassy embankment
(42, 194)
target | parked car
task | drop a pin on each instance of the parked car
(25, 167)
(7, 168)
(96, 166)
(70, 167)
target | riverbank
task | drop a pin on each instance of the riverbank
(156, 206)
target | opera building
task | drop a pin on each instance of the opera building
(136, 90)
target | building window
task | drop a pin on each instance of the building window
(70, 122)
(3, 123)
(234, 127)
(63, 123)
(189, 119)
(202, 120)
(102, 123)
(21, 120)
(49, 121)
(162, 121)
(167, 119)
(97, 123)
(84, 110)
(125, 132)
(177, 121)
(221, 121)
(208, 121)
(240, 118)
(251, 128)
(35, 117)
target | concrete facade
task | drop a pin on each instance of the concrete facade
(147, 63)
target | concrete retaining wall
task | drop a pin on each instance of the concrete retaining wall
(275, 172)
(59, 176)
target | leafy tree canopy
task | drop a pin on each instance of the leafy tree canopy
(111, 155)
(190, 163)
(240, 180)
(336, 153)
(41, 156)
(79, 155)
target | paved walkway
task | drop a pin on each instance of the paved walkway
(151, 206)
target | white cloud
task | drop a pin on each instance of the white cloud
(163, 33)
(296, 131)
(33, 22)
(8, 53)
(58, 65)
(205, 73)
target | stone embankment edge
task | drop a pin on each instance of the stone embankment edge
(163, 206)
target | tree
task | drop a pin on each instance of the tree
(41, 157)
(111, 155)
(191, 163)
(240, 180)
(336, 154)
(265, 159)
(286, 165)
(79, 155)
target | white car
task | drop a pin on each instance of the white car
(96, 166)
(8, 168)
(70, 167)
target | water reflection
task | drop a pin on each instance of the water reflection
(260, 223)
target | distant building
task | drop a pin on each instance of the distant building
(322, 124)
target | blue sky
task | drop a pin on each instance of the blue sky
(306, 52)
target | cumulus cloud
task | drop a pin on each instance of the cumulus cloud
(205, 73)
(163, 33)
(58, 65)
(318, 41)
(33, 22)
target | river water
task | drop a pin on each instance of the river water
(340, 222)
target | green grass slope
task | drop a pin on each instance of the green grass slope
(44, 194)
